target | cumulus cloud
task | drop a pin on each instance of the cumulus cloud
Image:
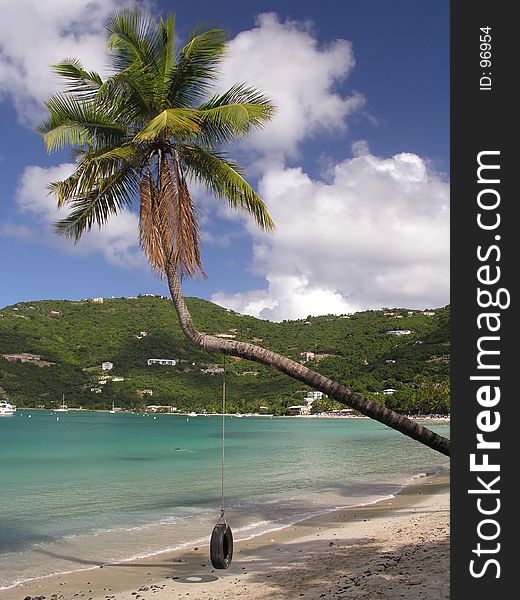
(35, 35)
(285, 60)
(376, 234)
(117, 241)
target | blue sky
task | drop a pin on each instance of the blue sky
(354, 169)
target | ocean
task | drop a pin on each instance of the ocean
(81, 489)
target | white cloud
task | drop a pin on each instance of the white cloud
(284, 60)
(36, 34)
(287, 297)
(14, 230)
(376, 235)
(117, 241)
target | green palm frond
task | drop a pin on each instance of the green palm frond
(128, 154)
(132, 35)
(197, 67)
(176, 122)
(167, 60)
(84, 84)
(130, 94)
(92, 170)
(223, 178)
(73, 119)
(60, 136)
(110, 192)
(234, 113)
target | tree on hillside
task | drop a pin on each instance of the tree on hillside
(148, 130)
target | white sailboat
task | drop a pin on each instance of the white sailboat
(113, 411)
(63, 407)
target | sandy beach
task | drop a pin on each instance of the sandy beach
(397, 548)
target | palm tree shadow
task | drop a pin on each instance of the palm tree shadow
(181, 570)
(86, 561)
(353, 568)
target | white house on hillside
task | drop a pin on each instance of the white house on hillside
(170, 362)
(314, 395)
(107, 366)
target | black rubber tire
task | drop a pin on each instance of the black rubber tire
(221, 546)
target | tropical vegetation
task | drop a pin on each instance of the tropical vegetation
(73, 339)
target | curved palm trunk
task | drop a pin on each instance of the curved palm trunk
(297, 371)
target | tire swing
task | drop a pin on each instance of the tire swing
(221, 543)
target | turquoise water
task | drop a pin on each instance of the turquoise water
(90, 488)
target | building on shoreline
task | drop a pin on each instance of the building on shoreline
(154, 408)
(306, 409)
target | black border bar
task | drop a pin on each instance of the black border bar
(484, 246)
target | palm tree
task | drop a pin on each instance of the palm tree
(148, 130)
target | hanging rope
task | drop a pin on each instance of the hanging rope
(223, 441)
(221, 542)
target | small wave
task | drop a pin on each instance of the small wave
(46, 576)
(122, 529)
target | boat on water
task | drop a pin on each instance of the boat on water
(63, 407)
(113, 410)
(6, 409)
(192, 414)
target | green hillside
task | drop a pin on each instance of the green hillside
(76, 337)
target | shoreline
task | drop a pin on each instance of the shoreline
(434, 418)
(266, 560)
